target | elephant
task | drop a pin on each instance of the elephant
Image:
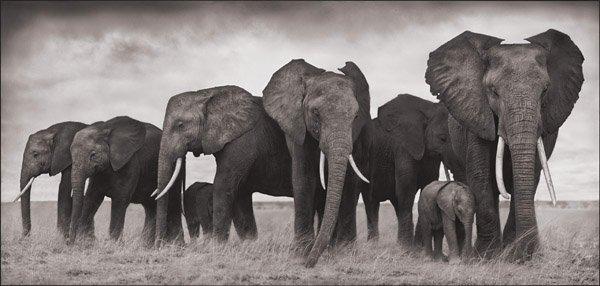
(320, 112)
(447, 208)
(119, 157)
(47, 152)
(401, 151)
(198, 208)
(249, 148)
(506, 94)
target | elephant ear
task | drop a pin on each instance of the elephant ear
(61, 144)
(405, 124)
(363, 97)
(564, 63)
(229, 112)
(125, 137)
(445, 200)
(455, 75)
(284, 94)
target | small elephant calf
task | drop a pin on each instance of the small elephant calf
(198, 209)
(447, 208)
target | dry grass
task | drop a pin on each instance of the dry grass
(569, 236)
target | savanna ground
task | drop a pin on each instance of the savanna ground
(569, 236)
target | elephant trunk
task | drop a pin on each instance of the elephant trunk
(522, 139)
(338, 151)
(166, 168)
(25, 201)
(78, 184)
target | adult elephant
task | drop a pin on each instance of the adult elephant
(47, 152)
(401, 151)
(516, 95)
(248, 146)
(319, 112)
(120, 159)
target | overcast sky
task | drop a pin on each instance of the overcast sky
(93, 61)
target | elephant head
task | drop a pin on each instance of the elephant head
(519, 92)
(46, 152)
(101, 147)
(457, 202)
(309, 102)
(202, 122)
(418, 125)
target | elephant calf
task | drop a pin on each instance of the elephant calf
(447, 208)
(198, 208)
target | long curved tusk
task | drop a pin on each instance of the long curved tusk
(499, 163)
(355, 168)
(447, 173)
(322, 170)
(182, 190)
(85, 188)
(544, 161)
(173, 178)
(24, 189)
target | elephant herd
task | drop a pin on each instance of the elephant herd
(311, 137)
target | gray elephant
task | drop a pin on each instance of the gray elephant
(120, 159)
(47, 152)
(248, 146)
(512, 94)
(447, 209)
(401, 150)
(320, 112)
(198, 208)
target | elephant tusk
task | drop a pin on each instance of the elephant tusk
(322, 170)
(499, 163)
(355, 168)
(182, 190)
(173, 178)
(447, 173)
(24, 189)
(85, 188)
(544, 161)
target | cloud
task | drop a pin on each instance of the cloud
(92, 61)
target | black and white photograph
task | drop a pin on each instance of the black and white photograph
(300, 142)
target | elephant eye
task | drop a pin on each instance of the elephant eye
(93, 156)
(35, 154)
(180, 125)
(493, 89)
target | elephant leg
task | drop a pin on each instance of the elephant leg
(438, 238)
(405, 194)
(319, 206)
(118, 209)
(91, 202)
(479, 178)
(174, 224)
(243, 217)
(372, 212)
(460, 235)
(64, 204)
(303, 185)
(149, 230)
(426, 233)
(450, 233)
(346, 223)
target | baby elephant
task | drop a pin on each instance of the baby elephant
(198, 209)
(447, 208)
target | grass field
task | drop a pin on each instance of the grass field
(569, 236)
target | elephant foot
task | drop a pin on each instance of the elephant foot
(486, 249)
(301, 248)
(454, 261)
(440, 257)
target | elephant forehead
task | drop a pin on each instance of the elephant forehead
(87, 135)
(517, 59)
